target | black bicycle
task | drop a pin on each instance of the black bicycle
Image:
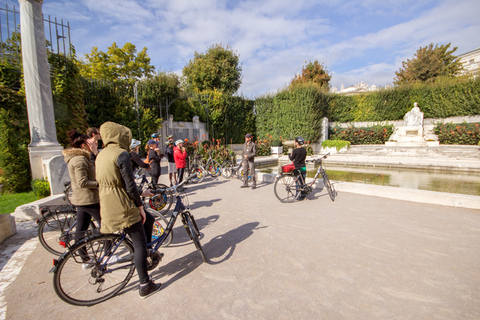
(162, 202)
(289, 184)
(57, 226)
(111, 256)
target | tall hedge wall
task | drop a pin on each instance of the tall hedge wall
(298, 110)
(458, 97)
(292, 112)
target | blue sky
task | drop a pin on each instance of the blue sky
(356, 40)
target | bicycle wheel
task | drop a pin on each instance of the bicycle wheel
(159, 227)
(240, 175)
(56, 231)
(161, 202)
(330, 188)
(193, 233)
(200, 171)
(86, 284)
(285, 188)
(215, 169)
(227, 169)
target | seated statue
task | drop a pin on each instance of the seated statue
(414, 117)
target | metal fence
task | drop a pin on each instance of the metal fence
(57, 34)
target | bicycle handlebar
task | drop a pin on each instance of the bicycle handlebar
(319, 159)
(175, 187)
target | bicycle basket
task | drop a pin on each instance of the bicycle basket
(288, 168)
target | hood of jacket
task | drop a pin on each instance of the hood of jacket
(114, 133)
(70, 153)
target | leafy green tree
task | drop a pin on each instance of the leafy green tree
(217, 69)
(14, 132)
(117, 63)
(314, 72)
(429, 63)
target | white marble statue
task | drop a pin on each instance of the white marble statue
(414, 117)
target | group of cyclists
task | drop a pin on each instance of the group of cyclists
(104, 188)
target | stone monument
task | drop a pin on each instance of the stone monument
(38, 91)
(412, 132)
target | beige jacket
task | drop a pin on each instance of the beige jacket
(82, 176)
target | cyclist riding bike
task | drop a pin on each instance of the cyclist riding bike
(298, 156)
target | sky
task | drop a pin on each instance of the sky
(355, 40)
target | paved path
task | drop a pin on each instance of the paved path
(360, 257)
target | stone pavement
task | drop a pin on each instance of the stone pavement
(360, 257)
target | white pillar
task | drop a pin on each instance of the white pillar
(43, 144)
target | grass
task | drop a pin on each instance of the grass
(8, 202)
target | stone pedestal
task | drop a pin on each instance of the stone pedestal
(57, 172)
(38, 158)
(412, 132)
(7, 226)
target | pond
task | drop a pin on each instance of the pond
(432, 180)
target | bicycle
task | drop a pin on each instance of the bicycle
(160, 203)
(113, 264)
(289, 184)
(212, 166)
(230, 170)
(195, 167)
(56, 227)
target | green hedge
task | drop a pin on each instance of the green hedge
(14, 131)
(442, 99)
(338, 144)
(296, 111)
(362, 135)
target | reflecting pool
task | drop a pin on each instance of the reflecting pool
(433, 180)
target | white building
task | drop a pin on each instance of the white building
(471, 62)
(354, 89)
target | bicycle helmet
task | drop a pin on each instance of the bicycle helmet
(155, 135)
(135, 143)
(299, 140)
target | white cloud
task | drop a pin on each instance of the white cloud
(358, 40)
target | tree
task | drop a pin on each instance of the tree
(313, 72)
(218, 68)
(117, 63)
(429, 63)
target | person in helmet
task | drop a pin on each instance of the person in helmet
(298, 156)
(136, 160)
(156, 137)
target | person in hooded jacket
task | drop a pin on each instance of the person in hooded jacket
(84, 186)
(120, 202)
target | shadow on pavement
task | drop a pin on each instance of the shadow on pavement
(217, 250)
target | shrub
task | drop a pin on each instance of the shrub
(363, 135)
(277, 143)
(338, 144)
(465, 133)
(309, 148)
(263, 146)
(41, 188)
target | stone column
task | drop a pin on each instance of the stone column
(38, 89)
(324, 135)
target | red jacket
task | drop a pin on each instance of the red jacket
(180, 158)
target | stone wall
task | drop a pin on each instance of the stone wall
(193, 131)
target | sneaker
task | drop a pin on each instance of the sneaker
(243, 186)
(89, 264)
(148, 289)
(111, 260)
(254, 187)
